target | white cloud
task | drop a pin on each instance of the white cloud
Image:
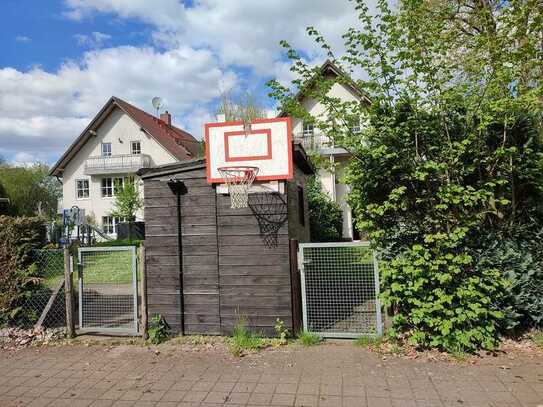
(95, 40)
(241, 32)
(197, 51)
(161, 13)
(43, 111)
(22, 38)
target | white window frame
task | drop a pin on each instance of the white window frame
(83, 189)
(108, 224)
(107, 189)
(308, 129)
(110, 189)
(138, 150)
(106, 152)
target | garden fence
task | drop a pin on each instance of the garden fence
(45, 303)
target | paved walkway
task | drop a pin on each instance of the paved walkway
(327, 375)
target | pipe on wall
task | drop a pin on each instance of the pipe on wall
(179, 188)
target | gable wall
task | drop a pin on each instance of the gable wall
(119, 130)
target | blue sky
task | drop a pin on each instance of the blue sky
(62, 59)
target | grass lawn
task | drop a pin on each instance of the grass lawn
(113, 267)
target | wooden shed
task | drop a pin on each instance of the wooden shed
(209, 265)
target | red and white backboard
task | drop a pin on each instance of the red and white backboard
(268, 146)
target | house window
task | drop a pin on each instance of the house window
(135, 147)
(108, 225)
(118, 184)
(111, 186)
(308, 129)
(301, 206)
(354, 125)
(82, 188)
(106, 149)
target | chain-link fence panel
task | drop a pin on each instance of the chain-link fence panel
(108, 289)
(45, 303)
(340, 289)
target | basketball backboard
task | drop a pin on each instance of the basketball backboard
(267, 146)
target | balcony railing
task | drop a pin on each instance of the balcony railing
(313, 141)
(116, 163)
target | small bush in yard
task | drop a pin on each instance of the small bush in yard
(309, 339)
(18, 276)
(159, 330)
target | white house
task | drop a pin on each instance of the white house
(120, 140)
(316, 142)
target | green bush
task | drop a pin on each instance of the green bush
(18, 278)
(158, 330)
(325, 216)
(519, 257)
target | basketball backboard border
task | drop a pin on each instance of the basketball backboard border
(278, 177)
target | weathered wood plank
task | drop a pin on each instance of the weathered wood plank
(251, 280)
(200, 260)
(254, 260)
(262, 249)
(245, 270)
(253, 291)
(250, 301)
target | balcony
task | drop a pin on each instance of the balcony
(317, 143)
(115, 164)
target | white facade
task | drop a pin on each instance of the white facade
(332, 180)
(119, 131)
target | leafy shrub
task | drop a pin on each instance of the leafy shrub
(443, 303)
(18, 237)
(325, 216)
(309, 338)
(158, 330)
(519, 257)
(446, 155)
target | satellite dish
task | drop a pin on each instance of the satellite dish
(157, 103)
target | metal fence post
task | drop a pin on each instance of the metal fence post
(143, 292)
(68, 293)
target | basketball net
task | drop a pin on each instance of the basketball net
(238, 180)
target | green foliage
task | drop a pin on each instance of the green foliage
(18, 276)
(309, 338)
(519, 256)
(158, 330)
(243, 339)
(325, 216)
(30, 189)
(127, 201)
(449, 153)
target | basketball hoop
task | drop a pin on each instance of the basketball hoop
(238, 179)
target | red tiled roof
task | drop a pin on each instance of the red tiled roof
(179, 143)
